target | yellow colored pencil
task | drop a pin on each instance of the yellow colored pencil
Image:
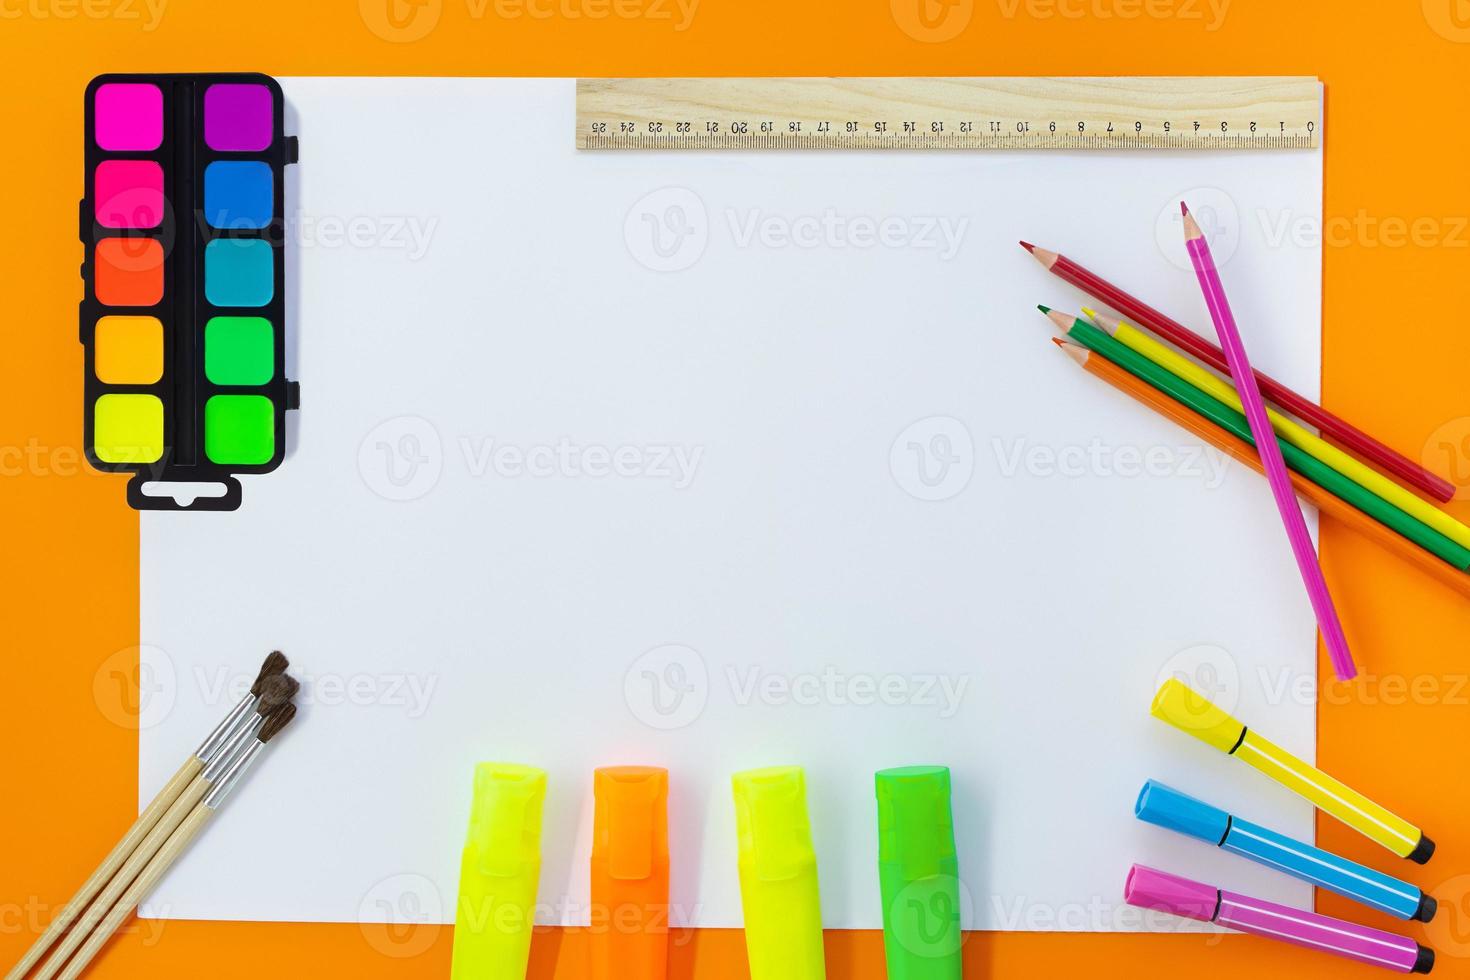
(1299, 436)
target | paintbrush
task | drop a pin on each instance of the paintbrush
(274, 664)
(179, 840)
(275, 692)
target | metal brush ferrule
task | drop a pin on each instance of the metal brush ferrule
(233, 775)
(225, 729)
(230, 750)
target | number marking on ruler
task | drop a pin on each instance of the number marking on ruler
(949, 113)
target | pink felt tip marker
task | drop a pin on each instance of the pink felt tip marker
(1164, 892)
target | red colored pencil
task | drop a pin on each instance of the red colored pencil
(1143, 315)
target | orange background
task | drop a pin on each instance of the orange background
(1395, 72)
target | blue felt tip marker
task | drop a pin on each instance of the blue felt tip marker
(1164, 807)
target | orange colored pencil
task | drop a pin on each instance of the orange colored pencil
(1240, 450)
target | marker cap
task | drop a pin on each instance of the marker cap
(918, 874)
(505, 818)
(630, 828)
(1163, 892)
(499, 873)
(771, 820)
(779, 893)
(915, 825)
(1165, 807)
(630, 873)
(1189, 711)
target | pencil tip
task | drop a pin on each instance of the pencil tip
(1044, 309)
(1091, 313)
(1059, 341)
(1045, 256)
(1192, 229)
(1183, 208)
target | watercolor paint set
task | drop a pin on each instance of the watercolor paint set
(183, 317)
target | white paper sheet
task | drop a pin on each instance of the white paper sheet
(719, 461)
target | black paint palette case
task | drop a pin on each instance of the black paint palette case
(183, 317)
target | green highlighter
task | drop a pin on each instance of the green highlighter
(919, 874)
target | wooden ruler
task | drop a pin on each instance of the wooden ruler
(1265, 113)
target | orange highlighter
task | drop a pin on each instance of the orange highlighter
(630, 873)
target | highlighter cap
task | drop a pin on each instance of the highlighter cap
(1163, 892)
(771, 820)
(1193, 713)
(1168, 808)
(505, 818)
(915, 824)
(630, 827)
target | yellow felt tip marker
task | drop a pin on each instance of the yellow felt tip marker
(498, 873)
(1191, 712)
(778, 875)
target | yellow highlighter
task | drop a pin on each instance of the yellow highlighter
(498, 874)
(778, 876)
(1297, 435)
(1191, 712)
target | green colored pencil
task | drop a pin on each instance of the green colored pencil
(1234, 422)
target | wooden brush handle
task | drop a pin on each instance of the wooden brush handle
(177, 843)
(167, 824)
(145, 822)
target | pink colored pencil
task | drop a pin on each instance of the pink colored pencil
(1162, 892)
(1276, 474)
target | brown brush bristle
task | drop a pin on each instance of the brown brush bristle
(277, 720)
(274, 664)
(276, 691)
